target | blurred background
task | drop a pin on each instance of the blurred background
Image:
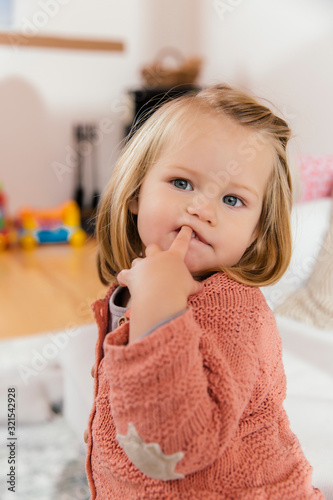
(64, 114)
(280, 50)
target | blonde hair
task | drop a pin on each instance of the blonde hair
(265, 261)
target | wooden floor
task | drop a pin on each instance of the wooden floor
(48, 288)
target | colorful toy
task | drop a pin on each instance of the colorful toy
(55, 225)
(4, 229)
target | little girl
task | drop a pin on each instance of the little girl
(189, 381)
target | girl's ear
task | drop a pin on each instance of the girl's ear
(134, 206)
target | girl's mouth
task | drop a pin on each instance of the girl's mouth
(195, 236)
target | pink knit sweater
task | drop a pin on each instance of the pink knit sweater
(196, 405)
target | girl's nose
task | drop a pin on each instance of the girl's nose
(203, 209)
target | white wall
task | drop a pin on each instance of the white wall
(43, 92)
(280, 49)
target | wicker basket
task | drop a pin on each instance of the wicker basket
(158, 75)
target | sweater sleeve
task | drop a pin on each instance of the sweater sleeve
(176, 409)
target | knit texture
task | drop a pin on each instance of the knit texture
(209, 386)
(313, 302)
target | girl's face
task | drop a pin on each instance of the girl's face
(211, 177)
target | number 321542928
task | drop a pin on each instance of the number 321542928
(11, 410)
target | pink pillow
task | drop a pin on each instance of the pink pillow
(316, 176)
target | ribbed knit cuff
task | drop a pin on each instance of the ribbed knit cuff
(166, 344)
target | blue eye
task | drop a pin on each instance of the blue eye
(232, 201)
(182, 184)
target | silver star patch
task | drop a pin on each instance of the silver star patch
(148, 457)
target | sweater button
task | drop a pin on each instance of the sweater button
(122, 320)
(93, 371)
(85, 436)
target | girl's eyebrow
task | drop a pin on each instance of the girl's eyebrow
(250, 189)
(183, 169)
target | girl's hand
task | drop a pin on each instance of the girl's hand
(159, 284)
